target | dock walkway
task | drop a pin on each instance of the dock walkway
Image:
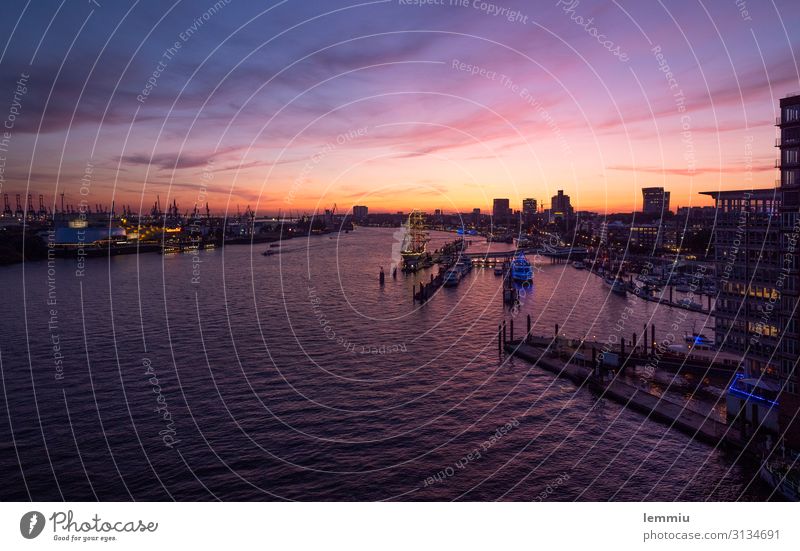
(658, 408)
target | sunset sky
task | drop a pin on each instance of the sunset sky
(297, 105)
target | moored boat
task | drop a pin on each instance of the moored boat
(452, 277)
(521, 269)
(782, 477)
(617, 286)
(690, 304)
(699, 341)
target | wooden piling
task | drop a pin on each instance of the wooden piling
(504, 332)
(644, 340)
(653, 339)
(528, 334)
(512, 329)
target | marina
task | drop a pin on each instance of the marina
(432, 355)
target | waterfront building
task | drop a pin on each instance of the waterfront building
(748, 263)
(789, 350)
(747, 260)
(655, 200)
(646, 236)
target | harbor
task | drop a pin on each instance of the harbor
(383, 364)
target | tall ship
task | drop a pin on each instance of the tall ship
(521, 269)
(414, 250)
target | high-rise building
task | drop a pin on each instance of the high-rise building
(501, 212)
(789, 349)
(746, 245)
(655, 200)
(560, 206)
(756, 233)
(528, 211)
(360, 213)
(476, 217)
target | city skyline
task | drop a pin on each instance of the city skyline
(449, 110)
(402, 250)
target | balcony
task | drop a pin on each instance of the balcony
(779, 142)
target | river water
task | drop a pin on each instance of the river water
(231, 375)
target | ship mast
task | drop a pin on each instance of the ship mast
(416, 237)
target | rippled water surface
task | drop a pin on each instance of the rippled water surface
(230, 375)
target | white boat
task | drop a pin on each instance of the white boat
(521, 269)
(699, 341)
(452, 277)
(690, 304)
(464, 265)
(498, 270)
(617, 286)
(578, 265)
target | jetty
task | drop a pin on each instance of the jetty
(590, 370)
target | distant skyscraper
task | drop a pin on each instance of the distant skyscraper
(528, 210)
(560, 206)
(476, 217)
(529, 206)
(655, 200)
(501, 211)
(360, 212)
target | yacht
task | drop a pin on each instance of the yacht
(521, 269)
(578, 265)
(617, 286)
(690, 304)
(523, 242)
(699, 341)
(464, 265)
(452, 277)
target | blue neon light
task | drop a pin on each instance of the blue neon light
(748, 395)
